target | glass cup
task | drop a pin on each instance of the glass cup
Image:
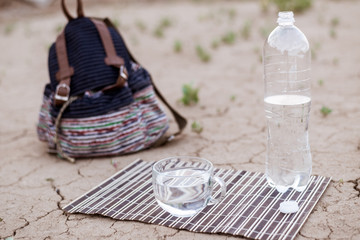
(183, 185)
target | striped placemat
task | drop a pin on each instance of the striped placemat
(250, 208)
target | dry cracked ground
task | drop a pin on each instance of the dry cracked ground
(35, 185)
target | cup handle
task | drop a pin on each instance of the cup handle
(222, 184)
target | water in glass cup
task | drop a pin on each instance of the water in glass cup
(183, 185)
(184, 191)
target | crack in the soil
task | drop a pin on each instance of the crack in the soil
(256, 154)
(170, 235)
(57, 191)
(303, 235)
(111, 227)
(19, 228)
(22, 177)
(356, 185)
(15, 138)
(331, 231)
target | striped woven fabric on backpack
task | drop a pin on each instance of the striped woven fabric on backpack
(99, 101)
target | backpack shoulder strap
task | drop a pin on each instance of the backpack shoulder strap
(111, 59)
(65, 72)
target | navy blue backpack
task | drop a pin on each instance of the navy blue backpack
(100, 101)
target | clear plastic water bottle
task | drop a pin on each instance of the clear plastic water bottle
(287, 67)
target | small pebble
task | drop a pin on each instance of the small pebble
(289, 207)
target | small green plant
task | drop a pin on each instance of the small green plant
(259, 53)
(206, 17)
(233, 98)
(264, 5)
(59, 28)
(9, 28)
(49, 179)
(320, 82)
(245, 31)
(335, 61)
(341, 181)
(313, 54)
(158, 32)
(1, 219)
(140, 25)
(325, 111)
(165, 23)
(265, 31)
(229, 38)
(317, 45)
(190, 95)
(177, 46)
(116, 22)
(232, 14)
(196, 127)
(203, 54)
(293, 5)
(334, 22)
(215, 44)
(333, 33)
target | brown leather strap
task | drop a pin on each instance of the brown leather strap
(80, 10)
(112, 59)
(65, 72)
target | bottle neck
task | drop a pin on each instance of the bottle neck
(286, 24)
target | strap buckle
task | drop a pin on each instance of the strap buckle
(123, 73)
(59, 98)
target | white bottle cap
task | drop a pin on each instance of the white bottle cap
(286, 18)
(289, 207)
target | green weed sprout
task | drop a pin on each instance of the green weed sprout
(203, 54)
(196, 127)
(232, 14)
(140, 25)
(245, 31)
(320, 82)
(9, 28)
(229, 38)
(265, 31)
(215, 44)
(293, 5)
(165, 22)
(313, 54)
(190, 95)
(159, 30)
(59, 28)
(333, 33)
(325, 111)
(264, 5)
(116, 22)
(177, 46)
(335, 61)
(334, 22)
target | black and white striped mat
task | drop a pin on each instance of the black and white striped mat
(250, 207)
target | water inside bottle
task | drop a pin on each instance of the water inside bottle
(288, 163)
